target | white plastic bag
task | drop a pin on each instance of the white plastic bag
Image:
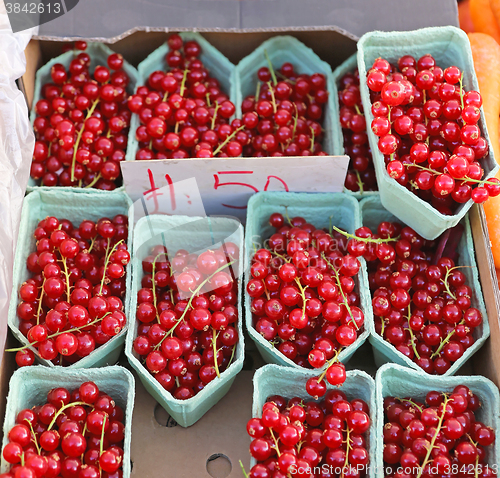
(17, 141)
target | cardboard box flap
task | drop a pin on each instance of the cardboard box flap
(115, 19)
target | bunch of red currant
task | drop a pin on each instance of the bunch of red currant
(428, 131)
(421, 302)
(361, 173)
(303, 297)
(75, 434)
(81, 124)
(183, 112)
(293, 438)
(284, 117)
(73, 301)
(187, 313)
(440, 437)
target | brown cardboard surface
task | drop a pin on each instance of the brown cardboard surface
(487, 360)
(217, 442)
(112, 18)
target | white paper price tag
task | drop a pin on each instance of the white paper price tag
(224, 185)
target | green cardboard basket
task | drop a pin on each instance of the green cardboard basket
(373, 213)
(99, 53)
(283, 49)
(75, 206)
(275, 380)
(316, 208)
(396, 381)
(216, 63)
(194, 234)
(28, 387)
(348, 66)
(449, 46)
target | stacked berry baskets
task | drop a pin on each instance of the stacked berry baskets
(389, 264)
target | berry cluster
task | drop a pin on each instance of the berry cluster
(361, 173)
(440, 437)
(73, 301)
(187, 313)
(303, 297)
(428, 131)
(421, 302)
(284, 117)
(292, 438)
(75, 434)
(183, 112)
(81, 124)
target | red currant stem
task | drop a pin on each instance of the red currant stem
(108, 134)
(74, 329)
(154, 287)
(447, 285)
(80, 181)
(348, 449)
(389, 118)
(476, 468)
(22, 458)
(188, 306)
(275, 440)
(183, 82)
(79, 137)
(312, 139)
(84, 428)
(358, 111)
(460, 82)
(214, 346)
(295, 120)
(302, 294)
(344, 298)
(433, 441)
(383, 327)
(229, 138)
(287, 216)
(39, 310)
(34, 440)
(271, 69)
(106, 262)
(101, 445)
(232, 356)
(330, 362)
(359, 181)
(257, 91)
(409, 400)
(444, 342)
(413, 346)
(273, 98)
(64, 407)
(94, 181)
(245, 474)
(368, 240)
(207, 97)
(424, 99)
(281, 256)
(171, 296)
(66, 274)
(92, 244)
(214, 117)
(282, 76)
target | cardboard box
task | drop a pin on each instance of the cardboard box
(214, 446)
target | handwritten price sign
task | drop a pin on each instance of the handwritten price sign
(222, 186)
